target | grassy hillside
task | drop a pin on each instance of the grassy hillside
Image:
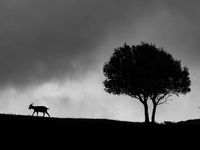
(34, 121)
(95, 130)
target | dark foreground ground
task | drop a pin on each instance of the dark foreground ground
(100, 132)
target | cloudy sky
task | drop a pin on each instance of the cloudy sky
(52, 53)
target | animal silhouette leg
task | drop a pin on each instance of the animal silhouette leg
(33, 113)
(47, 114)
(43, 114)
(37, 113)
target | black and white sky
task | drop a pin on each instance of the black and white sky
(52, 53)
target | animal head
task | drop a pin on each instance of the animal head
(30, 106)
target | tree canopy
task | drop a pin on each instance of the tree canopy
(145, 72)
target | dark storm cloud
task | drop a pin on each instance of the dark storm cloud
(181, 28)
(41, 40)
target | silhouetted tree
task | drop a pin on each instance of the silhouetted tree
(145, 72)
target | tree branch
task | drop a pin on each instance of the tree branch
(140, 98)
(162, 102)
(165, 99)
(161, 97)
(135, 96)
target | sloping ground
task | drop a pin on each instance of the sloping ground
(99, 131)
(22, 120)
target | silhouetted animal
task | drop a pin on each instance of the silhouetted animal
(38, 109)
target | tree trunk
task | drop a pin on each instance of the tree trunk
(146, 112)
(153, 113)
